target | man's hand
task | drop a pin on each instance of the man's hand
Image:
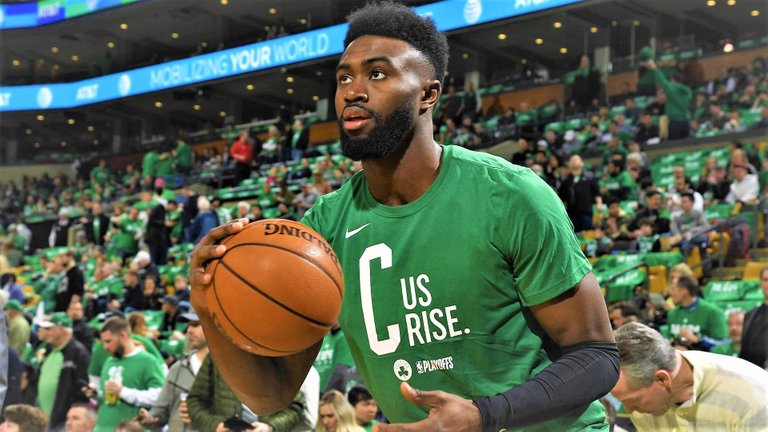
(147, 420)
(113, 387)
(89, 392)
(261, 427)
(650, 64)
(447, 413)
(220, 428)
(689, 336)
(208, 249)
(184, 413)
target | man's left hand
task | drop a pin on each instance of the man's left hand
(447, 413)
(113, 387)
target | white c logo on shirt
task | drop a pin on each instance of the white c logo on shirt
(383, 253)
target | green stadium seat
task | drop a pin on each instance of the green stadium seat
(666, 259)
(723, 291)
(738, 305)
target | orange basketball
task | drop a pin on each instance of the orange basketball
(278, 288)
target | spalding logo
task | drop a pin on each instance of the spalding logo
(280, 229)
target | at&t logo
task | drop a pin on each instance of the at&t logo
(402, 370)
(124, 85)
(472, 11)
(44, 97)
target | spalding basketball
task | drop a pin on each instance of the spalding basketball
(278, 288)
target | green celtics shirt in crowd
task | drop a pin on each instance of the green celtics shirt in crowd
(164, 166)
(437, 289)
(333, 352)
(149, 164)
(48, 382)
(701, 317)
(174, 216)
(100, 175)
(183, 155)
(99, 355)
(138, 370)
(725, 349)
(125, 239)
(615, 183)
(645, 244)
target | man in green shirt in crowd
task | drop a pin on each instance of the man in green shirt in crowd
(127, 233)
(183, 156)
(149, 164)
(735, 329)
(18, 326)
(100, 174)
(165, 165)
(130, 379)
(694, 322)
(62, 371)
(678, 103)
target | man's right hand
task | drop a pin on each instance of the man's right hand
(208, 249)
(146, 420)
(220, 428)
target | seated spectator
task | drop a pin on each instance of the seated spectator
(652, 209)
(18, 326)
(648, 241)
(617, 221)
(735, 330)
(365, 407)
(181, 288)
(646, 131)
(256, 213)
(715, 187)
(139, 326)
(24, 418)
(717, 117)
(744, 187)
(631, 112)
(622, 313)
(336, 414)
(734, 123)
(81, 418)
(303, 172)
(683, 185)
(659, 391)
(12, 289)
(204, 221)
(151, 294)
(523, 150)
(171, 313)
(133, 293)
(637, 169)
(129, 425)
(754, 347)
(694, 323)
(618, 183)
(144, 266)
(689, 226)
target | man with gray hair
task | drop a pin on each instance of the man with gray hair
(665, 389)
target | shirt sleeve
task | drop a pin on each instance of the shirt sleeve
(540, 236)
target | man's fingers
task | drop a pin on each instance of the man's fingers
(431, 399)
(422, 426)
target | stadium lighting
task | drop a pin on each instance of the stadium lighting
(174, 35)
(711, 3)
(28, 131)
(75, 57)
(557, 24)
(563, 50)
(63, 143)
(54, 50)
(315, 98)
(56, 67)
(465, 56)
(123, 26)
(524, 61)
(539, 41)
(110, 45)
(37, 145)
(91, 128)
(728, 47)
(272, 11)
(95, 142)
(196, 107)
(502, 36)
(158, 104)
(249, 87)
(303, 21)
(614, 23)
(289, 91)
(731, 2)
(636, 23)
(40, 117)
(41, 61)
(319, 73)
(593, 29)
(289, 79)
(222, 114)
(755, 13)
(16, 62)
(224, 2)
(71, 122)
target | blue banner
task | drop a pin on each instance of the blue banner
(315, 44)
(42, 12)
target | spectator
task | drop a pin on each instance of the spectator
(689, 226)
(62, 371)
(211, 402)
(734, 123)
(303, 171)
(60, 230)
(631, 111)
(131, 378)
(12, 289)
(170, 409)
(157, 235)
(149, 164)
(717, 118)
(81, 418)
(24, 418)
(138, 323)
(735, 331)
(336, 414)
(18, 326)
(203, 222)
(452, 107)
(652, 209)
(171, 313)
(151, 294)
(678, 98)
(129, 425)
(754, 346)
(648, 241)
(744, 187)
(183, 156)
(242, 153)
(96, 225)
(243, 209)
(299, 139)
(365, 407)
(647, 132)
(586, 85)
(305, 199)
(80, 330)
(133, 293)
(579, 191)
(617, 221)
(284, 212)
(126, 231)
(618, 183)
(715, 187)
(622, 313)
(694, 322)
(523, 152)
(72, 285)
(13, 390)
(144, 266)
(666, 389)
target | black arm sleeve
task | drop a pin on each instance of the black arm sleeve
(585, 372)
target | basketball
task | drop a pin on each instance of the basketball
(277, 290)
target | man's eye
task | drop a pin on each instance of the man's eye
(378, 75)
(344, 79)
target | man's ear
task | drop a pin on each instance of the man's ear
(430, 94)
(663, 378)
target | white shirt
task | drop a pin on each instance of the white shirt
(745, 190)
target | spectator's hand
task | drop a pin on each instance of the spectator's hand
(146, 420)
(113, 387)
(184, 413)
(650, 64)
(220, 428)
(261, 427)
(208, 249)
(447, 412)
(689, 336)
(89, 392)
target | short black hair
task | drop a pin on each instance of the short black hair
(689, 284)
(358, 394)
(397, 21)
(687, 194)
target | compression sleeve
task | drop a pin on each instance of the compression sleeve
(584, 373)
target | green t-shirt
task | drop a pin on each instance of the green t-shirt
(333, 352)
(437, 289)
(99, 355)
(645, 243)
(703, 319)
(613, 185)
(164, 166)
(725, 349)
(48, 383)
(125, 239)
(48, 293)
(100, 175)
(174, 216)
(183, 155)
(149, 164)
(369, 427)
(138, 371)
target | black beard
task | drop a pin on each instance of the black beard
(391, 136)
(119, 352)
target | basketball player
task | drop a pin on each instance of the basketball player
(463, 276)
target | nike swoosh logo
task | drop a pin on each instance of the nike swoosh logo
(355, 231)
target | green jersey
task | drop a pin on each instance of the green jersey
(125, 239)
(164, 166)
(623, 186)
(174, 216)
(48, 384)
(725, 349)
(138, 371)
(100, 175)
(183, 155)
(702, 318)
(437, 290)
(99, 355)
(149, 164)
(334, 351)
